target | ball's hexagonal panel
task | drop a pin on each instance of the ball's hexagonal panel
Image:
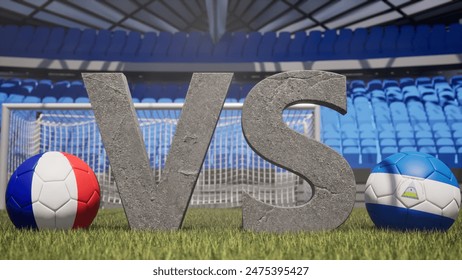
(53, 166)
(390, 200)
(428, 207)
(19, 188)
(28, 165)
(94, 201)
(54, 195)
(452, 210)
(77, 163)
(369, 195)
(441, 168)
(36, 189)
(88, 185)
(71, 185)
(410, 192)
(385, 184)
(65, 216)
(44, 216)
(439, 194)
(415, 165)
(457, 198)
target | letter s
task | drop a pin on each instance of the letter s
(328, 173)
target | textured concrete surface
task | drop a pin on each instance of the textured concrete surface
(199, 117)
(118, 124)
(329, 174)
(146, 205)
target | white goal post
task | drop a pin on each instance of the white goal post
(229, 167)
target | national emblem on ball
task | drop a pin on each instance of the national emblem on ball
(412, 191)
(53, 190)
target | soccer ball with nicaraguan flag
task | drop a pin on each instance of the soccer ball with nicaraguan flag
(412, 191)
(53, 190)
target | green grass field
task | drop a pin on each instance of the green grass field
(217, 234)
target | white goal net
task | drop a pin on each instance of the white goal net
(229, 168)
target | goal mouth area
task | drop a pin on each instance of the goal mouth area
(229, 168)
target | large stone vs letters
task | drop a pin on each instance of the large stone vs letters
(163, 206)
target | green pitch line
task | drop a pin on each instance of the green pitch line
(217, 234)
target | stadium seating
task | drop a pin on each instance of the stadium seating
(375, 42)
(384, 116)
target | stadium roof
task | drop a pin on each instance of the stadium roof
(218, 16)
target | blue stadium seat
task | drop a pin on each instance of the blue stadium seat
(22, 40)
(29, 82)
(408, 149)
(453, 42)
(116, 45)
(146, 46)
(281, 47)
(59, 88)
(310, 49)
(388, 142)
(374, 41)
(296, 46)
(70, 42)
(251, 46)
(39, 40)
(220, 49)
(102, 43)
(54, 42)
(411, 93)
(448, 155)
(342, 44)
(326, 46)
(358, 42)
(175, 52)
(393, 93)
(387, 134)
(43, 88)
(406, 142)
(439, 134)
(425, 87)
(453, 113)
(416, 112)
(405, 39)
(421, 40)
(236, 46)
(352, 155)
(438, 126)
(131, 46)
(431, 150)
(437, 39)
(390, 36)
(406, 81)
(191, 46)
(378, 95)
(160, 50)
(86, 44)
(434, 112)
(10, 32)
(265, 49)
(204, 52)
(398, 112)
(422, 142)
(388, 151)
(369, 157)
(421, 134)
(332, 142)
(374, 85)
(441, 142)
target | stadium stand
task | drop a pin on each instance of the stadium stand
(384, 116)
(375, 42)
